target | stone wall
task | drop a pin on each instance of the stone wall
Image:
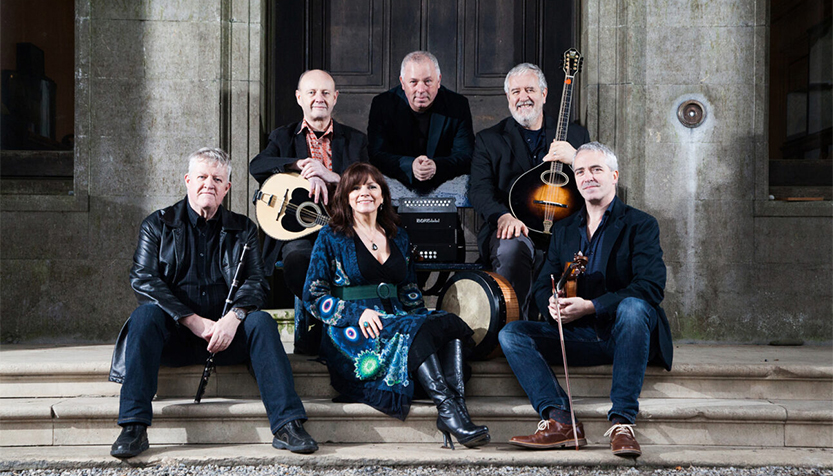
(156, 79)
(740, 268)
(159, 78)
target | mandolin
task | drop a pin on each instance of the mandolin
(545, 194)
(284, 210)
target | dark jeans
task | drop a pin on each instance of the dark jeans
(531, 347)
(154, 339)
(517, 260)
(296, 255)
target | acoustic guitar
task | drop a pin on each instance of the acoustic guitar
(284, 210)
(545, 194)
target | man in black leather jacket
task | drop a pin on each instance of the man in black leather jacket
(182, 271)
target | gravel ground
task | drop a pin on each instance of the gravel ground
(286, 470)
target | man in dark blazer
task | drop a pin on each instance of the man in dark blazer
(502, 153)
(320, 149)
(615, 318)
(420, 133)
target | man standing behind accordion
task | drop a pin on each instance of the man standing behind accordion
(182, 272)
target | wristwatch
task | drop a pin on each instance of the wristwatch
(240, 313)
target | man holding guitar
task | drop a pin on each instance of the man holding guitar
(614, 318)
(502, 154)
(319, 149)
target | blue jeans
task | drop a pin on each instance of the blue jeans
(154, 339)
(531, 347)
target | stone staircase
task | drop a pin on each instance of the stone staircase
(724, 405)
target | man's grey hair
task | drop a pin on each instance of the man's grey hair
(524, 68)
(610, 158)
(419, 57)
(210, 155)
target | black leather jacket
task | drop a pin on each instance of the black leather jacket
(157, 263)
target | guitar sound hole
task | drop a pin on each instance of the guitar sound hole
(558, 179)
(307, 213)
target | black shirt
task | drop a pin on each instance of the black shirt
(535, 143)
(204, 289)
(422, 120)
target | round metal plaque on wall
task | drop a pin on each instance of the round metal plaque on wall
(691, 113)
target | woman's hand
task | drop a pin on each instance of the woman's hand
(370, 324)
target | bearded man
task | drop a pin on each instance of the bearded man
(502, 153)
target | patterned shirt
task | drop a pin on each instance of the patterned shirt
(319, 147)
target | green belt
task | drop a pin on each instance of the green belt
(369, 291)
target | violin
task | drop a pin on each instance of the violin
(569, 278)
(567, 283)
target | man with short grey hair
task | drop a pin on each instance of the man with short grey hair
(504, 152)
(182, 274)
(420, 132)
(614, 317)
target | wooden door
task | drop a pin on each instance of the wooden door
(362, 43)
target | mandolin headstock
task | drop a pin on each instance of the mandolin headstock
(572, 62)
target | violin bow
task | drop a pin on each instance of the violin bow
(564, 359)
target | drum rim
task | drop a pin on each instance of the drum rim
(497, 302)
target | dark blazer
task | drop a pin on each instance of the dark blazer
(450, 137)
(159, 261)
(500, 157)
(634, 268)
(286, 146)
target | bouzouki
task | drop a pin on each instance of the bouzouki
(284, 209)
(545, 194)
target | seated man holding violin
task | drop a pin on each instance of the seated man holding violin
(614, 318)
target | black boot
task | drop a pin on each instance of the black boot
(451, 359)
(449, 416)
(132, 441)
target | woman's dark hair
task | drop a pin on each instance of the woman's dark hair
(342, 215)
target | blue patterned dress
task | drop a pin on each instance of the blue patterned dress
(371, 371)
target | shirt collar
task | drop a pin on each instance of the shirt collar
(608, 211)
(195, 219)
(306, 128)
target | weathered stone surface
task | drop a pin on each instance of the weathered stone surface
(150, 108)
(707, 13)
(156, 49)
(32, 236)
(173, 10)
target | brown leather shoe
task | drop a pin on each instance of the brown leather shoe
(551, 434)
(623, 441)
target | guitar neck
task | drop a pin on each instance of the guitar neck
(564, 112)
(563, 117)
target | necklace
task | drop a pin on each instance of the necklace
(372, 243)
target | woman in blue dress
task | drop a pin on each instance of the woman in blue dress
(379, 337)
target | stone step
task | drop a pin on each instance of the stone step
(662, 421)
(700, 371)
(413, 455)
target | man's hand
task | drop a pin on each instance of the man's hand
(223, 332)
(571, 308)
(424, 168)
(315, 168)
(318, 190)
(370, 324)
(510, 227)
(198, 325)
(560, 151)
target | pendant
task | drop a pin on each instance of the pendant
(373, 245)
